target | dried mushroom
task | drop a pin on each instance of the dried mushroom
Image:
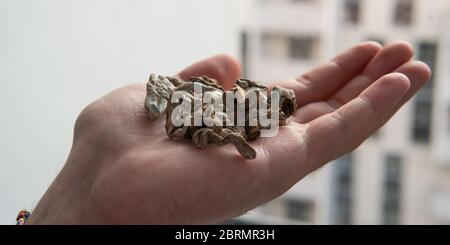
(201, 110)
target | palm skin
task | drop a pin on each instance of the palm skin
(124, 169)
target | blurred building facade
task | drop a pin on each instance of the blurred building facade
(402, 174)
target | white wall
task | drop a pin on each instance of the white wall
(56, 56)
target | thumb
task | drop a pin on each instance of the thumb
(224, 68)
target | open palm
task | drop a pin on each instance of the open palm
(124, 169)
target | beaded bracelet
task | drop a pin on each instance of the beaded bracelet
(23, 217)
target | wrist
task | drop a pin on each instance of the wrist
(66, 199)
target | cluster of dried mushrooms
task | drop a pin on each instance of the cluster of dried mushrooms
(160, 90)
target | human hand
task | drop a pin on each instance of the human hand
(123, 168)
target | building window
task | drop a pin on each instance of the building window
(403, 14)
(391, 208)
(301, 210)
(303, 48)
(278, 46)
(244, 53)
(427, 52)
(352, 11)
(342, 185)
(423, 103)
(422, 120)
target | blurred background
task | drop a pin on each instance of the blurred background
(57, 56)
